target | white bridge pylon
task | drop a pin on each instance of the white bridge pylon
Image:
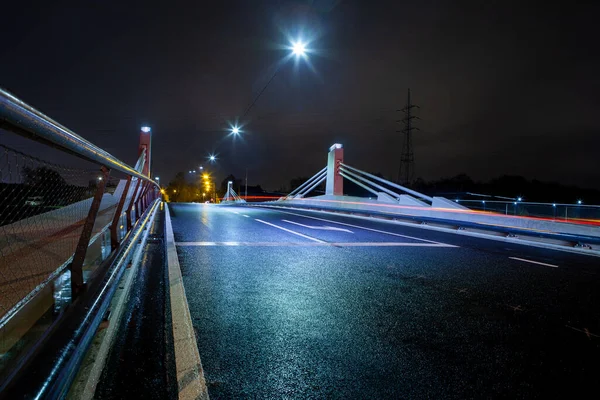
(231, 195)
(383, 190)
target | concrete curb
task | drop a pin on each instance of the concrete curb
(190, 375)
(524, 242)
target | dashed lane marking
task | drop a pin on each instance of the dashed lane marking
(323, 228)
(367, 229)
(290, 231)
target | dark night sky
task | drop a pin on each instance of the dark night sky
(504, 87)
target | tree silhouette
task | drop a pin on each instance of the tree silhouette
(43, 177)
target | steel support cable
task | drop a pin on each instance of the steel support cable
(388, 191)
(358, 183)
(405, 189)
(307, 189)
(314, 186)
(315, 176)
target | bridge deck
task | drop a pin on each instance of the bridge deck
(311, 305)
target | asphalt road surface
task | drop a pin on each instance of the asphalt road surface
(299, 304)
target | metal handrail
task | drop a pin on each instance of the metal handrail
(19, 117)
(525, 203)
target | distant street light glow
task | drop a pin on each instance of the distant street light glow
(235, 130)
(146, 129)
(212, 158)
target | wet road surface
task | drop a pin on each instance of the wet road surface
(140, 364)
(296, 304)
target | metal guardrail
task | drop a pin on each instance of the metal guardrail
(553, 211)
(21, 118)
(26, 240)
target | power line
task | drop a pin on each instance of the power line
(259, 94)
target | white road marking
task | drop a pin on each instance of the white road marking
(533, 262)
(190, 375)
(247, 216)
(324, 228)
(368, 229)
(289, 231)
(389, 244)
(235, 212)
(300, 244)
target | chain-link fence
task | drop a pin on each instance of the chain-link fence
(43, 210)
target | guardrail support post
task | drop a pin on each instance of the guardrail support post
(138, 202)
(84, 239)
(146, 198)
(131, 203)
(114, 239)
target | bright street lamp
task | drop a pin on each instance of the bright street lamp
(299, 48)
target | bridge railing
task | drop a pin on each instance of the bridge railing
(66, 207)
(555, 211)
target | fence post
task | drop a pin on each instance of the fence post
(131, 203)
(114, 239)
(84, 239)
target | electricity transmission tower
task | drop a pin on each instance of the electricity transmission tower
(406, 172)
